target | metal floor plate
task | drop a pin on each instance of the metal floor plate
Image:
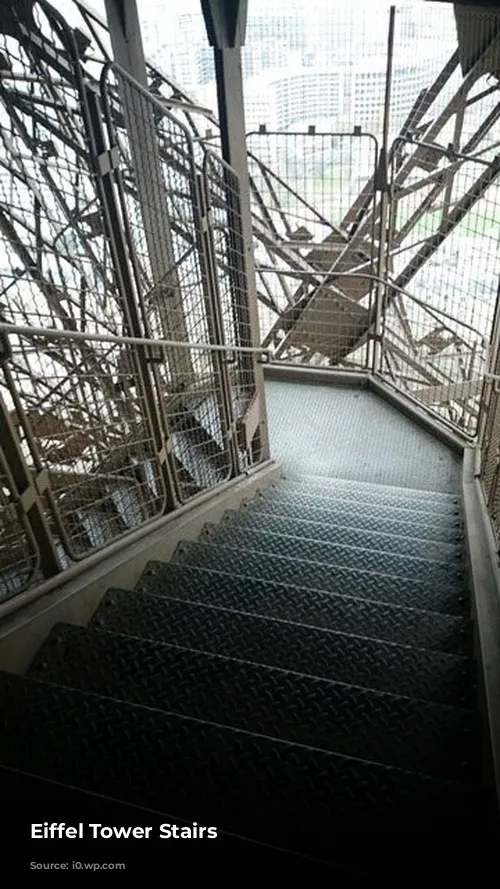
(413, 735)
(248, 784)
(354, 434)
(442, 574)
(393, 590)
(360, 617)
(368, 663)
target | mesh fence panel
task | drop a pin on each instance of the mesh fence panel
(84, 425)
(308, 238)
(89, 428)
(443, 226)
(163, 205)
(87, 247)
(436, 359)
(225, 225)
(491, 455)
(56, 269)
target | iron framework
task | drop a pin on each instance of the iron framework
(122, 227)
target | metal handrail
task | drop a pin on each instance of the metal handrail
(55, 334)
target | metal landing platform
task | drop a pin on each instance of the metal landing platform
(354, 434)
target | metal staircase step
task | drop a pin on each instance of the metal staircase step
(444, 575)
(413, 735)
(413, 514)
(361, 617)
(204, 470)
(384, 500)
(354, 660)
(382, 493)
(96, 526)
(355, 514)
(392, 589)
(348, 536)
(249, 785)
(127, 503)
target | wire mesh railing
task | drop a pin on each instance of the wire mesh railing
(307, 236)
(85, 441)
(490, 460)
(436, 358)
(489, 432)
(226, 244)
(425, 206)
(19, 553)
(127, 367)
(88, 427)
(433, 357)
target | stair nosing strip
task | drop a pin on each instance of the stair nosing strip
(305, 478)
(229, 515)
(323, 498)
(257, 504)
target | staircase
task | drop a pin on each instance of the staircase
(297, 679)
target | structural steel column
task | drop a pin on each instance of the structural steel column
(125, 33)
(383, 187)
(225, 22)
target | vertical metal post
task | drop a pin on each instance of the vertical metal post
(383, 186)
(215, 325)
(126, 41)
(225, 21)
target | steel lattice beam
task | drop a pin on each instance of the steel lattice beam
(315, 288)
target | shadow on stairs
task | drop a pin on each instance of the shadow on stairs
(296, 680)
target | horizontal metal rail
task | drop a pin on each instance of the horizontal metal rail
(78, 336)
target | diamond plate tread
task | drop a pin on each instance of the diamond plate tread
(413, 515)
(281, 543)
(360, 617)
(318, 429)
(360, 584)
(249, 785)
(413, 512)
(354, 660)
(364, 490)
(412, 735)
(350, 512)
(364, 539)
